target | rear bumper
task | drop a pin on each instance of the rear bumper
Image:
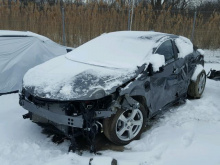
(76, 121)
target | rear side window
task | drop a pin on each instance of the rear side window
(166, 49)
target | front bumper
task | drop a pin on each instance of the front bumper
(56, 114)
(76, 121)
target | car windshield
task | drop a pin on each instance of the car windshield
(117, 49)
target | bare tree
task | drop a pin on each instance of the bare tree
(209, 6)
(174, 4)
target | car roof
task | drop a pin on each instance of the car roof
(148, 35)
(10, 33)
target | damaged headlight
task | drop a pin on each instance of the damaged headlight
(97, 94)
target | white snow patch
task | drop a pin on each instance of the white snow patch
(184, 46)
(212, 56)
(66, 90)
(199, 68)
(157, 61)
(202, 52)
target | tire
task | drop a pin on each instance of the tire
(196, 88)
(131, 123)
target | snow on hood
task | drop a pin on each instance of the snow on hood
(63, 79)
(122, 49)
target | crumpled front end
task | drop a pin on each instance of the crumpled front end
(65, 115)
(65, 80)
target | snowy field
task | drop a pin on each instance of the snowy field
(185, 135)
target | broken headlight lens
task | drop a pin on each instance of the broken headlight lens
(98, 93)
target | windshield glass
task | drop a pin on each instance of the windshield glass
(117, 49)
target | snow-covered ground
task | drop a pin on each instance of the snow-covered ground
(187, 134)
(212, 56)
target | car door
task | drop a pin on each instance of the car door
(164, 84)
(182, 71)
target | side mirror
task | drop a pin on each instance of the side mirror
(150, 70)
(156, 64)
(161, 69)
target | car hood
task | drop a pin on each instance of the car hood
(64, 79)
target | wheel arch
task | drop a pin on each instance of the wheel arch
(142, 101)
(138, 98)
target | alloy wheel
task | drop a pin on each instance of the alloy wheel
(129, 124)
(201, 84)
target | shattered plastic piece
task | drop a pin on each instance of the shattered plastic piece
(214, 74)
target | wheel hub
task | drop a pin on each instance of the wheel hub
(129, 124)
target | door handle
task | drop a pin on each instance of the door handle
(147, 86)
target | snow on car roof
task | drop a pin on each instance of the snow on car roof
(9, 33)
(124, 49)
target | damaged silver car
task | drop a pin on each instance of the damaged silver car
(113, 84)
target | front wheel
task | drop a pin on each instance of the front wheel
(125, 125)
(197, 87)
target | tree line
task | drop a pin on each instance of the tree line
(84, 21)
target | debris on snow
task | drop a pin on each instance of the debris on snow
(102, 160)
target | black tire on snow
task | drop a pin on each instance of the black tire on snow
(109, 126)
(193, 91)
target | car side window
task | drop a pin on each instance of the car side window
(166, 49)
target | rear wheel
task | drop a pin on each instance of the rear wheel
(197, 87)
(125, 125)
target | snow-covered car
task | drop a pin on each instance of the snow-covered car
(20, 51)
(113, 83)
